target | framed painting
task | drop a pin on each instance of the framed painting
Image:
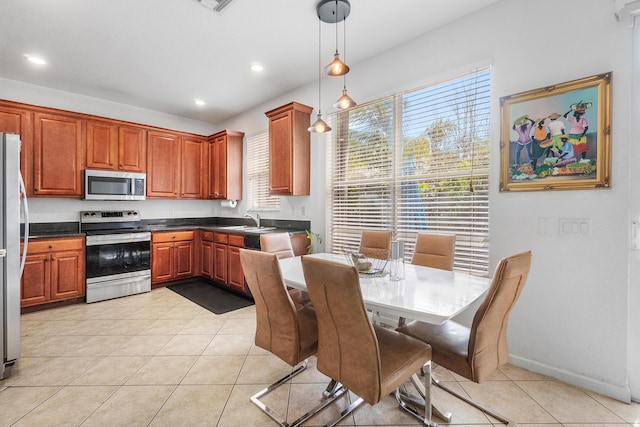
(557, 137)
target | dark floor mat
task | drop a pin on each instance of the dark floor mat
(211, 297)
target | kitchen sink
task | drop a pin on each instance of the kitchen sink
(248, 228)
(258, 229)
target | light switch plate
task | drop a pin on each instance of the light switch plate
(575, 227)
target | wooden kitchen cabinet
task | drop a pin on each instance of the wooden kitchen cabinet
(58, 149)
(289, 150)
(114, 147)
(19, 121)
(163, 164)
(172, 256)
(225, 165)
(193, 167)
(235, 275)
(54, 271)
(228, 270)
(206, 255)
(220, 257)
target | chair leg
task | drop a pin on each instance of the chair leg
(333, 391)
(349, 409)
(475, 404)
(425, 391)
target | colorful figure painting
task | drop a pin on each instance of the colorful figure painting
(557, 137)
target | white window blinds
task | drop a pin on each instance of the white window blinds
(258, 173)
(415, 162)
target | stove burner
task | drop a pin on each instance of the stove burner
(111, 222)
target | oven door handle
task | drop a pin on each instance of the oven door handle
(110, 239)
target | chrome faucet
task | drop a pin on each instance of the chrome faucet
(256, 218)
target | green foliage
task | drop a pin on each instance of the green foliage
(314, 238)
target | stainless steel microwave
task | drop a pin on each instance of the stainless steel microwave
(112, 185)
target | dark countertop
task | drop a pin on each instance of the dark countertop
(226, 225)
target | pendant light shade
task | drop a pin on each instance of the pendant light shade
(336, 67)
(345, 101)
(319, 126)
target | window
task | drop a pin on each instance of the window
(258, 173)
(415, 162)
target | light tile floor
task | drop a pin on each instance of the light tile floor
(157, 359)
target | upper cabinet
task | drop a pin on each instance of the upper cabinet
(193, 167)
(114, 147)
(163, 164)
(289, 145)
(58, 148)
(19, 121)
(225, 165)
(176, 166)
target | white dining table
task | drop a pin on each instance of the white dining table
(427, 294)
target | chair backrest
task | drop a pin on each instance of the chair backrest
(488, 338)
(375, 244)
(348, 350)
(277, 243)
(435, 250)
(289, 333)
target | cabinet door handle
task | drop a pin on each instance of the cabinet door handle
(50, 246)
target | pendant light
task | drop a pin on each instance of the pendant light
(319, 126)
(345, 101)
(334, 11)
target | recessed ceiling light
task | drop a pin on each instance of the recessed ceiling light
(35, 59)
(256, 67)
(199, 102)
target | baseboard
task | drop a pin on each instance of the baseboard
(622, 393)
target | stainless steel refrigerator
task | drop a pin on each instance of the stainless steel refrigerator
(11, 205)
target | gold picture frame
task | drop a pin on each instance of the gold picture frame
(557, 137)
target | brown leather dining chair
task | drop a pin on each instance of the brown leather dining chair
(280, 244)
(434, 250)
(477, 352)
(367, 359)
(277, 243)
(375, 244)
(284, 329)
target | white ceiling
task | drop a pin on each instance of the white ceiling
(161, 54)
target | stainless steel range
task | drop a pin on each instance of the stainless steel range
(118, 254)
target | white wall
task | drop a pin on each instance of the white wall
(572, 321)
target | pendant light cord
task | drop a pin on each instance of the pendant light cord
(344, 48)
(319, 64)
(337, 27)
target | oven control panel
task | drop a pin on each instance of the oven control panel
(109, 216)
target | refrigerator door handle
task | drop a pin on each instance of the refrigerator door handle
(25, 208)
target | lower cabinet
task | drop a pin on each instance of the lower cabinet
(211, 255)
(206, 255)
(227, 269)
(54, 271)
(172, 256)
(235, 275)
